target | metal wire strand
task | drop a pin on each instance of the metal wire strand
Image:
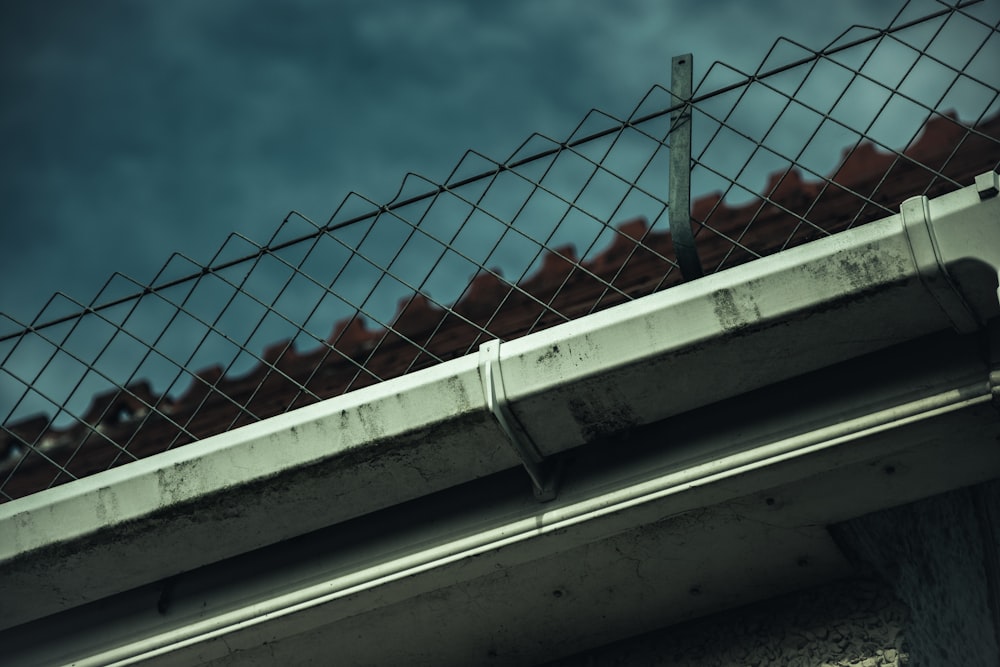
(328, 285)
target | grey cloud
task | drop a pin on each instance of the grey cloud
(135, 129)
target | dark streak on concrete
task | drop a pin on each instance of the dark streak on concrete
(731, 315)
(549, 355)
(232, 507)
(596, 421)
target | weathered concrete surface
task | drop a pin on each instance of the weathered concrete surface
(939, 555)
(853, 623)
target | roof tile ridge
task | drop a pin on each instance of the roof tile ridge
(351, 335)
(135, 399)
(933, 134)
(552, 270)
(628, 235)
(416, 314)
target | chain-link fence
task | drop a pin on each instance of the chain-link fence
(809, 143)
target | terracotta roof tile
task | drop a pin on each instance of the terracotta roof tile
(637, 262)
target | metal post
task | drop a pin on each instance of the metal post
(680, 169)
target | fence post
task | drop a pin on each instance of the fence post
(679, 201)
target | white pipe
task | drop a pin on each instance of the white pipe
(548, 519)
(707, 340)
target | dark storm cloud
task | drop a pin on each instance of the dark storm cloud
(133, 129)
(130, 130)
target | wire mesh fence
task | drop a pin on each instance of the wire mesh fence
(809, 143)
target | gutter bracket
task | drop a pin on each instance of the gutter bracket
(993, 359)
(919, 232)
(497, 403)
(988, 187)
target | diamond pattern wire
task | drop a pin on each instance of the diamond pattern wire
(501, 249)
(882, 121)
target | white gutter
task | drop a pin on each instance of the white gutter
(698, 481)
(930, 268)
(797, 311)
(398, 569)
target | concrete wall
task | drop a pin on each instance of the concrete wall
(939, 556)
(928, 598)
(848, 624)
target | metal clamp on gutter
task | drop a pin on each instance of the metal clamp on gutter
(919, 231)
(496, 401)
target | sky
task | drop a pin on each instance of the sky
(131, 130)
